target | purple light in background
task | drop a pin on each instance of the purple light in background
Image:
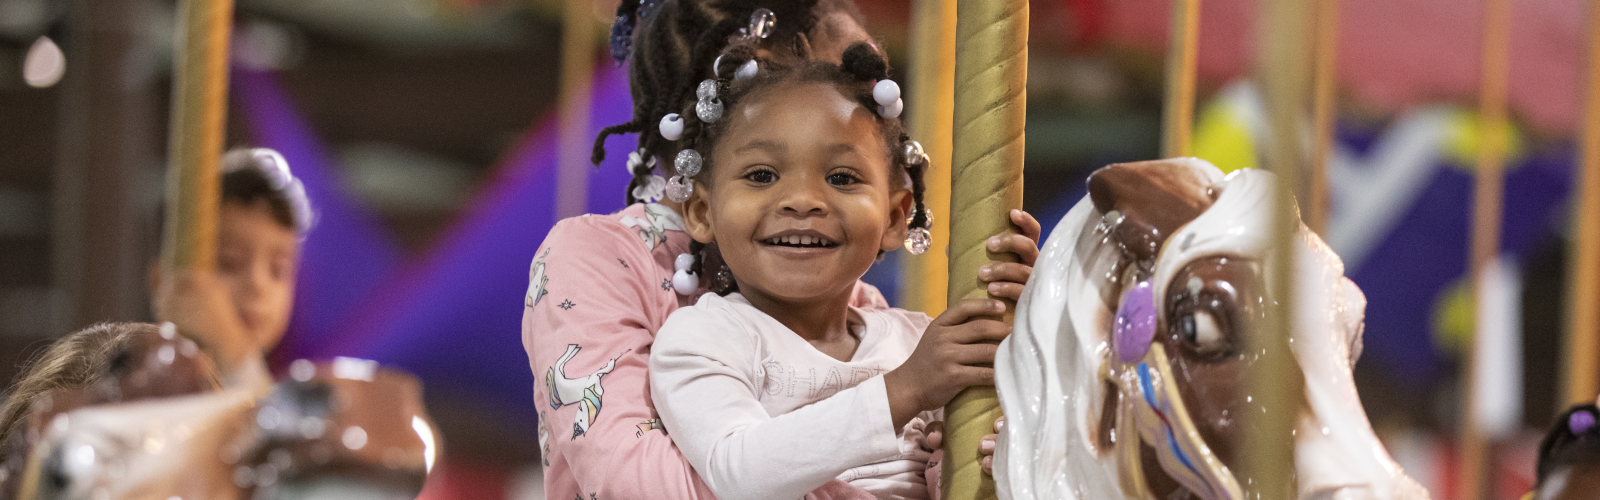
(453, 316)
(347, 254)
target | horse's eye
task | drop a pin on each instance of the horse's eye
(1201, 332)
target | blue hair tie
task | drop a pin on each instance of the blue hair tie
(622, 37)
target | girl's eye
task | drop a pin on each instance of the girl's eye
(842, 179)
(761, 177)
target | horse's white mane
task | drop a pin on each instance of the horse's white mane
(1048, 371)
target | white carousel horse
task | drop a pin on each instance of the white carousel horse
(1124, 377)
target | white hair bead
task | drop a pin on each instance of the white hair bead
(886, 92)
(672, 127)
(685, 283)
(746, 70)
(892, 110)
(683, 262)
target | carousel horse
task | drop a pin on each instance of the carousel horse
(159, 426)
(1569, 458)
(1125, 374)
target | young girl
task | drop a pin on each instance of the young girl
(601, 285)
(801, 179)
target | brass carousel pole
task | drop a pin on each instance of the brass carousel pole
(577, 82)
(991, 77)
(1177, 115)
(1486, 215)
(932, 101)
(1323, 114)
(199, 114)
(1583, 308)
(1273, 379)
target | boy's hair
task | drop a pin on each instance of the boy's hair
(249, 186)
(861, 68)
(252, 175)
(80, 359)
(670, 44)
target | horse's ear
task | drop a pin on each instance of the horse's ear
(1154, 198)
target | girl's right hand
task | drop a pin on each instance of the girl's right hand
(956, 352)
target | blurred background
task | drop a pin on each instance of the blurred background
(425, 133)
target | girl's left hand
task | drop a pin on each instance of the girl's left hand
(1007, 278)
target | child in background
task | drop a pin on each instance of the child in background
(241, 309)
(781, 385)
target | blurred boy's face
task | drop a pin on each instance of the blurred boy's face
(256, 260)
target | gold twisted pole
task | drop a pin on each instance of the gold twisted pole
(933, 77)
(577, 82)
(991, 77)
(1323, 113)
(1274, 379)
(1177, 117)
(1486, 207)
(199, 114)
(1583, 308)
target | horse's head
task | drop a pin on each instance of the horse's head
(1126, 370)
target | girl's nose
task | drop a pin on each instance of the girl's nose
(805, 199)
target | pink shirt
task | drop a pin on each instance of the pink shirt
(599, 288)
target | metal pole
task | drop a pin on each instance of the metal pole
(932, 103)
(1274, 379)
(1177, 114)
(1583, 308)
(991, 77)
(1486, 215)
(1324, 115)
(199, 111)
(577, 82)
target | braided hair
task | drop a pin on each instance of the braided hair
(669, 46)
(861, 68)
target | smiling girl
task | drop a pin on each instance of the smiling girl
(776, 384)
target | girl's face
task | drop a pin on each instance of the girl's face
(799, 196)
(256, 259)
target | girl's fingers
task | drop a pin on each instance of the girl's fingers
(1011, 291)
(1025, 248)
(980, 331)
(964, 310)
(972, 354)
(1005, 271)
(933, 435)
(1030, 226)
(970, 376)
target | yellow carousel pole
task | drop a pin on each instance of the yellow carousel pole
(199, 114)
(1583, 308)
(1487, 197)
(1323, 113)
(932, 103)
(577, 82)
(991, 77)
(1177, 115)
(1274, 380)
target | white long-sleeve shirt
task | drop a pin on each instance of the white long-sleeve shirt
(762, 414)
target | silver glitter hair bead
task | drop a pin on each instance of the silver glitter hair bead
(679, 188)
(918, 240)
(762, 22)
(913, 153)
(707, 90)
(687, 163)
(709, 111)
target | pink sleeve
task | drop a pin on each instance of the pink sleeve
(595, 298)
